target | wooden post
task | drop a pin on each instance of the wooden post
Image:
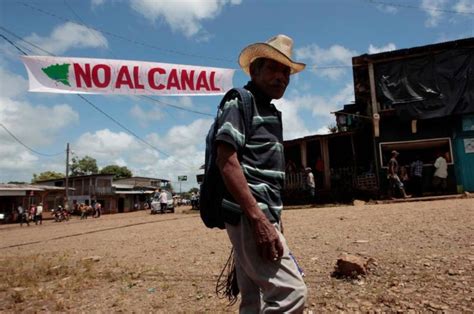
(327, 168)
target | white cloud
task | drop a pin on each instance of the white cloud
(96, 3)
(69, 35)
(294, 109)
(181, 151)
(386, 8)
(181, 138)
(336, 56)
(388, 47)
(104, 144)
(432, 9)
(464, 6)
(183, 16)
(11, 85)
(146, 117)
(36, 125)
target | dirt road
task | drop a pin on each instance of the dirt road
(169, 263)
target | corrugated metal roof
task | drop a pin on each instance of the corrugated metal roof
(30, 187)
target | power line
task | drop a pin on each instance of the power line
(13, 44)
(93, 33)
(87, 27)
(25, 41)
(26, 146)
(125, 128)
(134, 41)
(408, 6)
(175, 106)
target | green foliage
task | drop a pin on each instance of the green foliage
(117, 171)
(47, 175)
(168, 187)
(85, 166)
(333, 128)
(195, 190)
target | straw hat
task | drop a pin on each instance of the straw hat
(278, 48)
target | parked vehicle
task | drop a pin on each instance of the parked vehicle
(156, 207)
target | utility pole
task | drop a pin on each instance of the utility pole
(66, 205)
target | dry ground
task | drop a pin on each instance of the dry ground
(137, 262)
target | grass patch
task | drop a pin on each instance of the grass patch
(50, 281)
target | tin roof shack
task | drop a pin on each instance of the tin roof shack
(143, 182)
(420, 101)
(89, 188)
(13, 195)
(136, 190)
(334, 160)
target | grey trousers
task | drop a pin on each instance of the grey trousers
(265, 286)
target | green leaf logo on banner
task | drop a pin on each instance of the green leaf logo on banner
(58, 73)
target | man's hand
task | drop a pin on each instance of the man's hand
(268, 243)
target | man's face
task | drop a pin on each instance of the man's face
(272, 78)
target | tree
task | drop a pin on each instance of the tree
(47, 175)
(333, 128)
(85, 166)
(195, 190)
(117, 171)
(168, 187)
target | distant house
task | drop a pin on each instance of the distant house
(418, 101)
(13, 195)
(89, 188)
(136, 191)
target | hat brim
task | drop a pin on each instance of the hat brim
(264, 50)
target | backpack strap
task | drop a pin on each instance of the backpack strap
(247, 107)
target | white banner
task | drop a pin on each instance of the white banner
(100, 76)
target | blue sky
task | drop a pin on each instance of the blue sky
(326, 33)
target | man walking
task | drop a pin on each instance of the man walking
(253, 169)
(393, 178)
(23, 216)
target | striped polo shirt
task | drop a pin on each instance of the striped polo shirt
(260, 153)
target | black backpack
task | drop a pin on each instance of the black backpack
(212, 188)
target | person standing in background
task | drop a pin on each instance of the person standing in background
(39, 214)
(416, 172)
(440, 177)
(311, 186)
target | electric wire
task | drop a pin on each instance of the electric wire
(128, 130)
(13, 44)
(409, 6)
(26, 146)
(134, 41)
(162, 104)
